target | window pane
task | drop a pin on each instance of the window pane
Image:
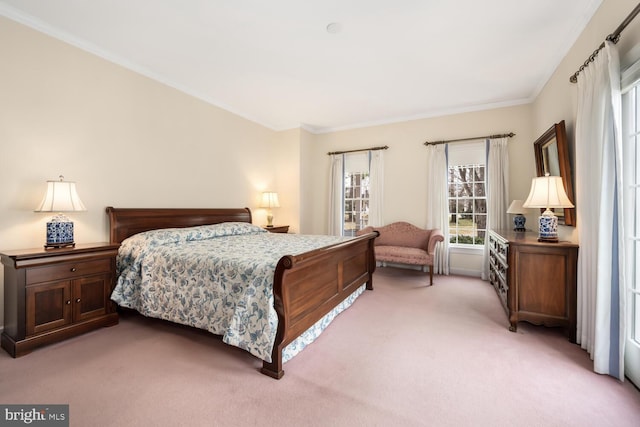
(466, 233)
(480, 205)
(478, 188)
(635, 333)
(636, 154)
(634, 259)
(465, 205)
(452, 206)
(635, 103)
(481, 222)
(452, 190)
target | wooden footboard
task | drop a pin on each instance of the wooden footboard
(308, 286)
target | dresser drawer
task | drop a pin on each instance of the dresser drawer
(499, 247)
(68, 270)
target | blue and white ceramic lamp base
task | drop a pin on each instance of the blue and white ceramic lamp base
(518, 222)
(548, 227)
(59, 233)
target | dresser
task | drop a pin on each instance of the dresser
(535, 281)
(53, 294)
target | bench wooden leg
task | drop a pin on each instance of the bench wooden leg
(424, 269)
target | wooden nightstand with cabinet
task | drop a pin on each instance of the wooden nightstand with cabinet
(54, 294)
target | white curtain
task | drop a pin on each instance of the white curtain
(497, 192)
(601, 272)
(336, 186)
(438, 203)
(376, 187)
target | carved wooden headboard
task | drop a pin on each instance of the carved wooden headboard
(129, 221)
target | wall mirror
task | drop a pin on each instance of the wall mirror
(552, 157)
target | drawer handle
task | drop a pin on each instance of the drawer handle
(73, 269)
(78, 300)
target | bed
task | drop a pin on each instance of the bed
(308, 289)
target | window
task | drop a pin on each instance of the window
(467, 194)
(356, 193)
(356, 202)
(631, 196)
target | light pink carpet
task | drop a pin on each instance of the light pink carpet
(403, 355)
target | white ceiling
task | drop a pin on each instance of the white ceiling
(274, 62)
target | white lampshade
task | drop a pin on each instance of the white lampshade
(61, 196)
(547, 192)
(270, 200)
(516, 207)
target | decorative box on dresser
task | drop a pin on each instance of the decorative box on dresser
(536, 281)
(54, 294)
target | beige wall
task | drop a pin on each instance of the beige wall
(126, 140)
(285, 160)
(308, 211)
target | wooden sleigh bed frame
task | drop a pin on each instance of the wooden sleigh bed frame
(306, 287)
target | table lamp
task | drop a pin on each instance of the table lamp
(269, 200)
(61, 196)
(547, 192)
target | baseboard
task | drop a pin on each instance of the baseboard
(454, 271)
(465, 272)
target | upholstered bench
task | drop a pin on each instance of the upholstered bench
(404, 243)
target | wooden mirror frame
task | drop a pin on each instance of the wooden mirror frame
(556, 133)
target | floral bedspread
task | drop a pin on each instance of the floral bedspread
(215, 277)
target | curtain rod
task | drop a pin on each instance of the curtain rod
(504, 135)
(362, 149)
(613, 37)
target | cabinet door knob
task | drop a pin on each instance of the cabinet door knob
(78, 300)
(68, 302)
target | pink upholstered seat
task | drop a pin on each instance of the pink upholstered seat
(403, 255)
(404, 243)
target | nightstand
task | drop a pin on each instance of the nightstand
(54, 294)
(277, 228)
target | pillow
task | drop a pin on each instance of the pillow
(134, 244)
(204, 232)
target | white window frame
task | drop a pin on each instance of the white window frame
(357, 195)
(631, 204)
(465, 154)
